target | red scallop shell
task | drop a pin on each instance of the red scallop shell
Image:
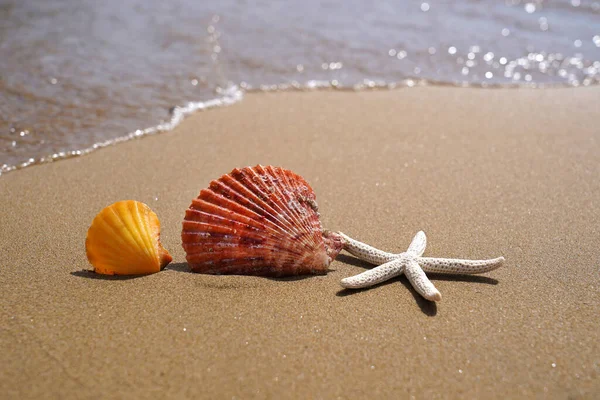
(258, 221)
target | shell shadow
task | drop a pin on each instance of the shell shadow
(184, 267)
(179, 267)
(289, 278)
(89, 274)
(346, 259)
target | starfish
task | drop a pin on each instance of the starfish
(411, 264)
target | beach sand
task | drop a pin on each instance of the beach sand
(484, 172)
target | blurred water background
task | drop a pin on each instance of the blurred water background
(77, 75)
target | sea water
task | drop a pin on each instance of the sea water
(78, 75)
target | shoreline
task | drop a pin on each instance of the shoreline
(235, 94)
(508, 173)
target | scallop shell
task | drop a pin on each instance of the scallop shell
(124, 239)
(258, 221)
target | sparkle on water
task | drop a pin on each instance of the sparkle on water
(84, 75)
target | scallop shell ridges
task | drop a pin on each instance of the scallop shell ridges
(124, 239)
(258, 221)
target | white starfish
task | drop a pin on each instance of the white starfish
(411, 264)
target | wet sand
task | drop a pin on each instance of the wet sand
(483, 172)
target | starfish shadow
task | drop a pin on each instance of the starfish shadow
(429, 308)
(434, 276)
(463, 278)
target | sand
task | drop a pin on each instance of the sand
(484, 172)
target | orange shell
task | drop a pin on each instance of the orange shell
(124, 239)
(258, 221)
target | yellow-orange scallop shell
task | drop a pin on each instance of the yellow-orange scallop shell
(124, 239)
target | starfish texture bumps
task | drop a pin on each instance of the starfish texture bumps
(411, 264)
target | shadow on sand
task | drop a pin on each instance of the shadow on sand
(89, 274)
(427, 307)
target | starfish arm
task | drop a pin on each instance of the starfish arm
(365, 252)
(420, 282)
(374, 276)
(453, 266)
(418, 244)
